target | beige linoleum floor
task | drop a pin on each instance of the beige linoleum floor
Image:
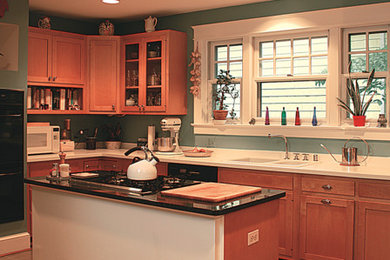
(19, 256)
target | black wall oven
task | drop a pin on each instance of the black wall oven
(11, 155)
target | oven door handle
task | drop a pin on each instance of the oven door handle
(194, 172)
(17, 115)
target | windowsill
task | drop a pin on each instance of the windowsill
(303, 131)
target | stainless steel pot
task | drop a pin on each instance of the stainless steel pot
(166, 144)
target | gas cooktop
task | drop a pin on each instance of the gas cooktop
(118, 181)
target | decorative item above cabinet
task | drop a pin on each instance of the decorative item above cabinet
(154, 73)
(55, 58)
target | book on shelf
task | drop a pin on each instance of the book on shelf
(28, 98)
(53, 98)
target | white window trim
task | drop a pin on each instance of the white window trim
(333, 20)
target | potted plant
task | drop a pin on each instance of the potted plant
(114, 136)
(225, 87)
(360, 107)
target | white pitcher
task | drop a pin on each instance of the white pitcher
(150, 24)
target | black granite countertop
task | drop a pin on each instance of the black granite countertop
(158, 200)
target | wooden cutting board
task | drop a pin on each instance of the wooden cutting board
(211, 191)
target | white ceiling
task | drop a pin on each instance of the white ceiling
(128, 9)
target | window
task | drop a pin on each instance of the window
(292, 73)
(296, 60)
(367, 49)
(227, 56)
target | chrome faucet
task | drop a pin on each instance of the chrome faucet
(285, 143)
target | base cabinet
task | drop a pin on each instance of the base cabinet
(326, 228)
(373, 231)
(286, 204)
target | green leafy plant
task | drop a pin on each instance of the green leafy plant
(225, 87)
(357, 100)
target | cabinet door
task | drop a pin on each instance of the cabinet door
(373, 231)
(68, 60)
(132, 75)
(155, 74)
(103, 74)
(39, 57)
(326, 229)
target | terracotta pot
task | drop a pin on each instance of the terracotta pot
(112, 145)
(220, 114)
(359, 120)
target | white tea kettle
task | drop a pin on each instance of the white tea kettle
(142, 170)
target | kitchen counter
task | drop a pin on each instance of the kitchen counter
(195, 206)
(79, 222)
(372, 168)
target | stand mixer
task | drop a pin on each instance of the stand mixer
(172, 124)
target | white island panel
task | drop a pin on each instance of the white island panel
(69, 225)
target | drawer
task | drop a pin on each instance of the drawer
(36, 169)
(91, 165)
(374, 189)
(255, 178)
(76, 165)
(328, 185)
(109, 165)
(162, 169)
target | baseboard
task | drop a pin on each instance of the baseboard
(14, 243)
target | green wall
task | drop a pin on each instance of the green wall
(136, 126)
(183, 22)
(17, 14)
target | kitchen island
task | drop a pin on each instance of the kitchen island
(81, 222)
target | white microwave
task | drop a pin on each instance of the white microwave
(43, 139)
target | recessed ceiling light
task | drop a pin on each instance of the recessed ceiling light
(110, 1)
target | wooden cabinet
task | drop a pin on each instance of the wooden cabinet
(274, 181)
(153, 73)
(55, 57)
(373, 220)
(56, 72)
(373, 230)
(326, 218)
(103, 77)
(326, 228)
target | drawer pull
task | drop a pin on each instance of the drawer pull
(327, 187)
(326, 202)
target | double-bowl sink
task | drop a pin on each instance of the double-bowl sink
(269, 162)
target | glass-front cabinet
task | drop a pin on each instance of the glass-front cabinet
(144, 75)
(153, 72)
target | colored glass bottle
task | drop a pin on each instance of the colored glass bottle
(297, 118)
(266, 116)
(284, 121)
(314, 122)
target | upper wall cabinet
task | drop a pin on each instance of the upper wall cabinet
(55, 57)
(103, 73)
(153, 73)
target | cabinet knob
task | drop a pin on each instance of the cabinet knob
(49, 78)
(113, 107)
(87, 166)
(54, 78)
(327, 187)
(326, 202)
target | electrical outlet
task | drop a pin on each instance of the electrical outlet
(253, 237)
